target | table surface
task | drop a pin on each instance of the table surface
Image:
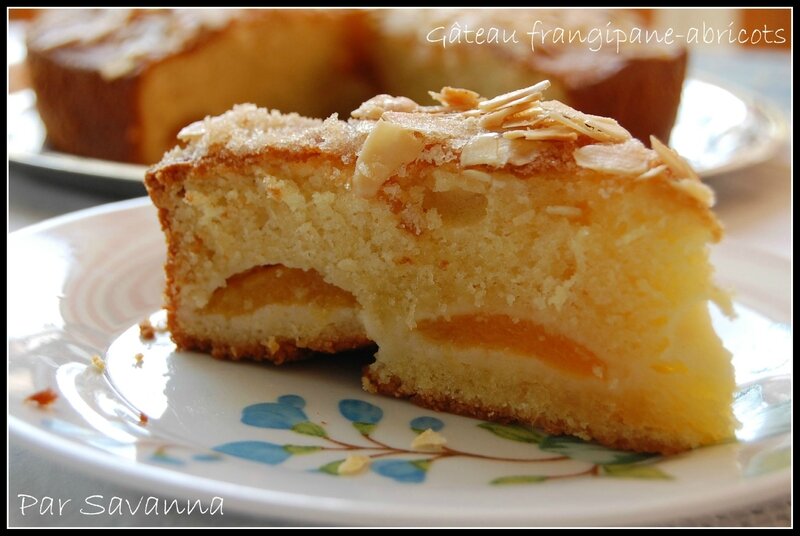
(753, 204)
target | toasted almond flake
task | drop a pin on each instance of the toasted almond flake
(375, 107)
(458, 98)
(609, 126)
(98, 363)
(696, 189)
(552, 133)
(522, 103)
(560, 210)
(628, 158)
(429, 441)
(496, 151)
(652, 173)
(520, 152)
(496, 118)
(387, 148)
(353, 465)
(526, 118)
(501, 100)
(139, 358)
(484, 149)
(472, 113)
(192, 131)
(673, 160)
(592, 126)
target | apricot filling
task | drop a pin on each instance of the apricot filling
(522, 337)
(275, 284)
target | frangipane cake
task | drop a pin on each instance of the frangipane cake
(119, 84)
(513, 259)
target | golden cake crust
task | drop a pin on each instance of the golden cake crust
(517, 133)
(277, 351)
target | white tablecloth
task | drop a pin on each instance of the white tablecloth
(754, 205)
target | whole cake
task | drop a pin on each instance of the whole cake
(119, 84)
(512, 258)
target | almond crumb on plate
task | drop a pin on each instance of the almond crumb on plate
(429, 441)
(43, 398)
(146, 330)
(98, 363)
(353, 464)
(139, 358)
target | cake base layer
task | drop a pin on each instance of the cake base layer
(511, 389)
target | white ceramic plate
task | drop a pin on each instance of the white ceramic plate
(266, 439)
(717, 130)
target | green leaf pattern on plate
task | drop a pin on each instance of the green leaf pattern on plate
(406, 465)
(514, 432)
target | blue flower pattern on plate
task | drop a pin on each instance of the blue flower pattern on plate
(282, 415)
(257, 451)
(409, 465)
(407, 471)
(420, 424)
(360, 411)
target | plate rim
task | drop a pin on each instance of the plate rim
(288, 505)
(296, 507)
(778, 124)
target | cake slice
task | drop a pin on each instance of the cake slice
(514, 259)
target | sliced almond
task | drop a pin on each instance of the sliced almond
(622, 158)
(551, 133)
(482, 150)
(652, 173)
(598, 128)
(387, 148)
(495, 119)
(696, 189)
(192, 131)
(458, 98)
(375, 107)
(673, 160)
(502, 100)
